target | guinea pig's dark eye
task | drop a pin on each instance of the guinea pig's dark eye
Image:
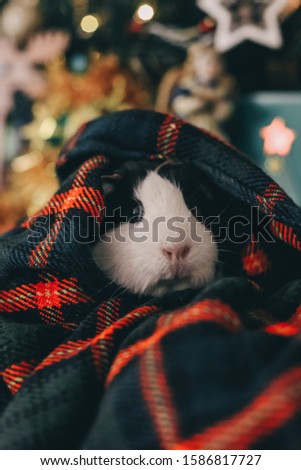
(137, 213)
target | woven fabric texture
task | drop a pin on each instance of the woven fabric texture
(82, 368)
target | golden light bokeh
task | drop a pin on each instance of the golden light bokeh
(89, 24)
(145, 12)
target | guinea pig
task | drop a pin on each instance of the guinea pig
(155, 239)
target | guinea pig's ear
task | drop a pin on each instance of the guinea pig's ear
(109, 182)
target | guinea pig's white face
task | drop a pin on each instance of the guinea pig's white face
(164, 248)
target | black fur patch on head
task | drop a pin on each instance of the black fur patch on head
(119, 189)
(201, 196)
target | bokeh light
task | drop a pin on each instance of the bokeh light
(145, 12)
(89, 24)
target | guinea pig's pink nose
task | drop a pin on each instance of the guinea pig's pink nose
(176, 252)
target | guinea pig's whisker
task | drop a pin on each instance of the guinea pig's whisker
(102, 289)
(224, 264)
(230, 204)
(117, 293)
(225, 209)
(147, 282)
(99, 257)
(221, 250)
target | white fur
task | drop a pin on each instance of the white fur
(142, 267)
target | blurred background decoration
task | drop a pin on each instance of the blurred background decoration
(230, 66)
(199, 91)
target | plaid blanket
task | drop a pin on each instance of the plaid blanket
(217, 368)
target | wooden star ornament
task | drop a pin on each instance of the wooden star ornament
(241, 20)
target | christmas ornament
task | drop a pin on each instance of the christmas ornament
(199, 92)
(278, 138)
(240, 20)
(18, 72)
(269, 130)
(278, 141)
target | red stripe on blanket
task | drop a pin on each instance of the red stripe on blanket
(158, 397)
(272, 196)
(47, 297)
(79, 197)
(289, 328)
(168, 136)
(100, 344)
(15, 375)
(204, 311)
(266, 413)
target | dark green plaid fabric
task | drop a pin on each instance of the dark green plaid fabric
(216, 368)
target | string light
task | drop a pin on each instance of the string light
(145, 12)
(89, 24)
